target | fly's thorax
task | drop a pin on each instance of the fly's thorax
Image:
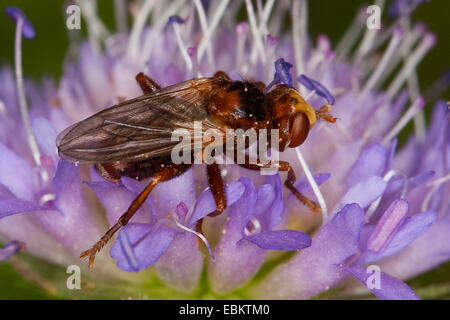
(240, 105)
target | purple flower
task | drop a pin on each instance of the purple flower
(385, 209)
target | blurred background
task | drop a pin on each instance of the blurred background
(44, 55)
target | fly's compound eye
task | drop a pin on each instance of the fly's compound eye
(298, 129)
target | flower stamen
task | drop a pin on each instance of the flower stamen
(198, 234)
(192, 52)
(205, 43)
(415, 107)
(314, 186)
(206, 31)
(174, 21)
(23, 27)
(410, 64)
(388, 54)
(138, 26)
(258, 48)
(242, 32)
(299, 22)
(120, 11)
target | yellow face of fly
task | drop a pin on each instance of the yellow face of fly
(303, 106)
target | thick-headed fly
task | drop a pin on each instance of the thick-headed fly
(133, 138)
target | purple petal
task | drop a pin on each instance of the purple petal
(319, 88)
(182, 264)
(426, 252)
(132, 184)
(389, 224)
(305, 186)
(390, 288)
(138, 245)
(413, 228)
(269, 206)
(10, 206)
(16, 14)
(74, 225)
(282, 74)
(45, 135)
(315, 268)
(15, 174)
(236, 262)
(170, 193)
(10, 249)
(365, 192)
(286, 240)
(116, 199)
(371, 162)
(205, 203)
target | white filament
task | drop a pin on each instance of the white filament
(96, 28)
(182, 47)
(351, 35)
(138, 26)
(297, 34)
(415, 107)
(240, 46)
(409, 41)
(410, 64)
(258, 48)
(120, 10)
(314, 186)
(390, 51)
(171, 9)
(214, 23)
(21, 95)
(198, 234)
(368, 39)
(206, 31)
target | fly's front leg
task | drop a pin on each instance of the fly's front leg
(169, 172)
(147, 85)
(289, 183)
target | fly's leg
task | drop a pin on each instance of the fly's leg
(217, 188)
(222, 75)
(169, 172)
(289, 182)
(218, 191)
(147, 85)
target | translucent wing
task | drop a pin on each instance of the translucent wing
(139, 128)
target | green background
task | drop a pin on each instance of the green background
(44, 55)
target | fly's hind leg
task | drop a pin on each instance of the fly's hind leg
(169, 172)
(147, 85)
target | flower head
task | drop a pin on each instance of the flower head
(380, 205)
